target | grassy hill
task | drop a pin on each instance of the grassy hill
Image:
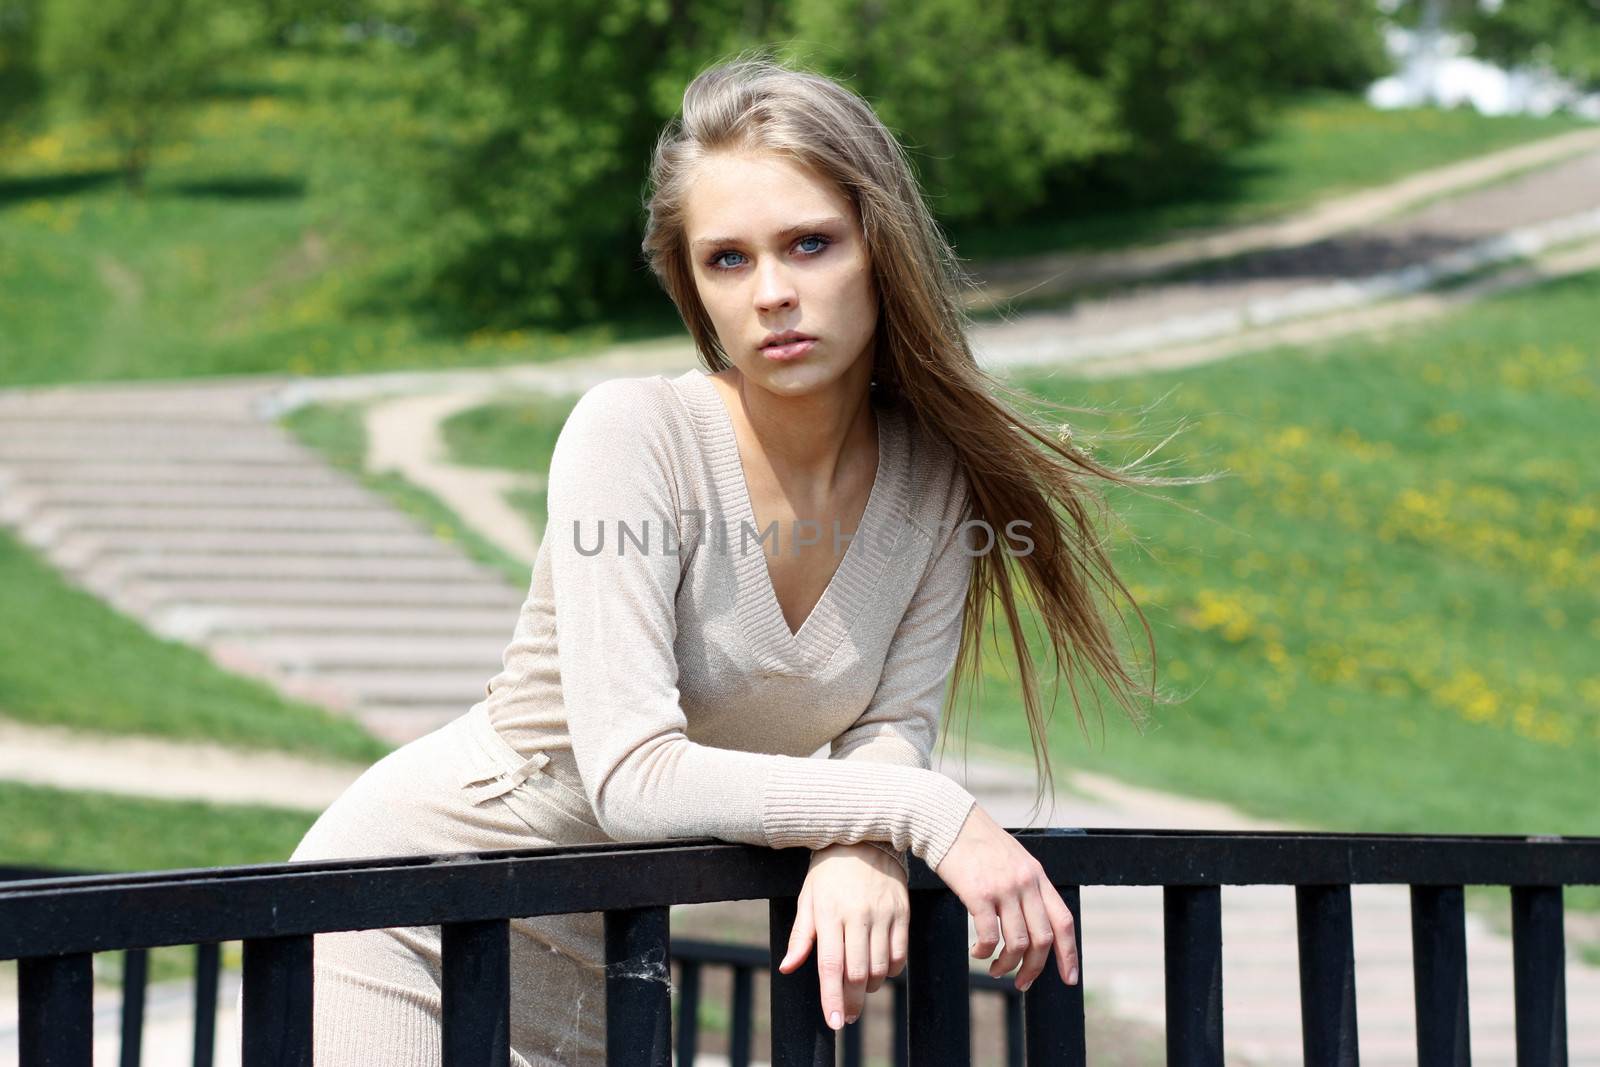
(271, 236)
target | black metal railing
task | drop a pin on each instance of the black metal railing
(53, 926)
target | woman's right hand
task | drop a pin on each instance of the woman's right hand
(1005, 890)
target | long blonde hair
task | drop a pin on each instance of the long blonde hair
(924, 364)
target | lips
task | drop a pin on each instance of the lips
(786, 337)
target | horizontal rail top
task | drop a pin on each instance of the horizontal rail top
(93, 913)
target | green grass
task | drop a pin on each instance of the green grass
(1320, 146)
(517, 431)
(525, 426)
(88, 831)
(85, 831)
(338, 432)
(267, 240)
(67, 659)
(1385, 618)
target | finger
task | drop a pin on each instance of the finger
(988, 928)
(1016, 934)
(899, 944)
(1061, 922)
(799, 938)
(1040, 936)
(877, 956)
(830, 971)
(857, 952)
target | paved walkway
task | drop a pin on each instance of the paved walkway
(188, 507)
(1057, 273)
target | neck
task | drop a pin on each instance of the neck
(805, 438)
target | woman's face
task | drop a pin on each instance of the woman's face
(777, 247)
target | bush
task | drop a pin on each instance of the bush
(136, 65)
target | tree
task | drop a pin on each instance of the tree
(139, 64)
(1561, 34)
(20, 82)
(536, 216)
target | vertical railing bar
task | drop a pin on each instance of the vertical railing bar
(135, 977)
(207, 973)
(1538, 960)
(475, 991)
(1327, 974)
(688, 1010)
(851, 1037)
(739, 1050)
(800, 1035)
(1193, 935)
(638, 987)
(1011, 1002)
(277, 1021)
(1052, 1011)
(936, 971)
(1439, 975)
(900, 1044)
(55, 998)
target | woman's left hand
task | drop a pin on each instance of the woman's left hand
(855, 905)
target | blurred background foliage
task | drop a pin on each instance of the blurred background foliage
(505, 143)
(521, 130)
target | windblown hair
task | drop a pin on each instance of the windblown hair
(924, 364)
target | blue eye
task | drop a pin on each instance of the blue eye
(715, 262)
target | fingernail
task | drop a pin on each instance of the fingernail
(833, 1020)
(1025, 985)
(852, 1018)
(1072, 976)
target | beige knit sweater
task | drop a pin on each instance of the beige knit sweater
(676, 699)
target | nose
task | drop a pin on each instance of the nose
(774, 289)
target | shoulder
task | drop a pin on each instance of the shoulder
(621, 426)
(624, 416)
(639, 403)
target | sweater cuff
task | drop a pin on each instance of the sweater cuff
(898, 854)
(812, 803)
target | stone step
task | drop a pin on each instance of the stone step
(174, 565)
(87, 517)
(225, 402)
(199, 620)
(218, 448)
(136, 432)
(310, 593)
(408, 651)
(131, 472)
(110, 494)
(400, 724)
(397, 688)
(78, 548)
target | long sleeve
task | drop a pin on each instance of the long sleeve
(615, 609)
(901, 723)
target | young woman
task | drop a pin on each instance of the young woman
(789, 550)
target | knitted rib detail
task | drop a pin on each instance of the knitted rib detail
(909, 807)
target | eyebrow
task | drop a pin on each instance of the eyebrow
(813, 224)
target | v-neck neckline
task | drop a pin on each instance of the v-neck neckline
(777, 648)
